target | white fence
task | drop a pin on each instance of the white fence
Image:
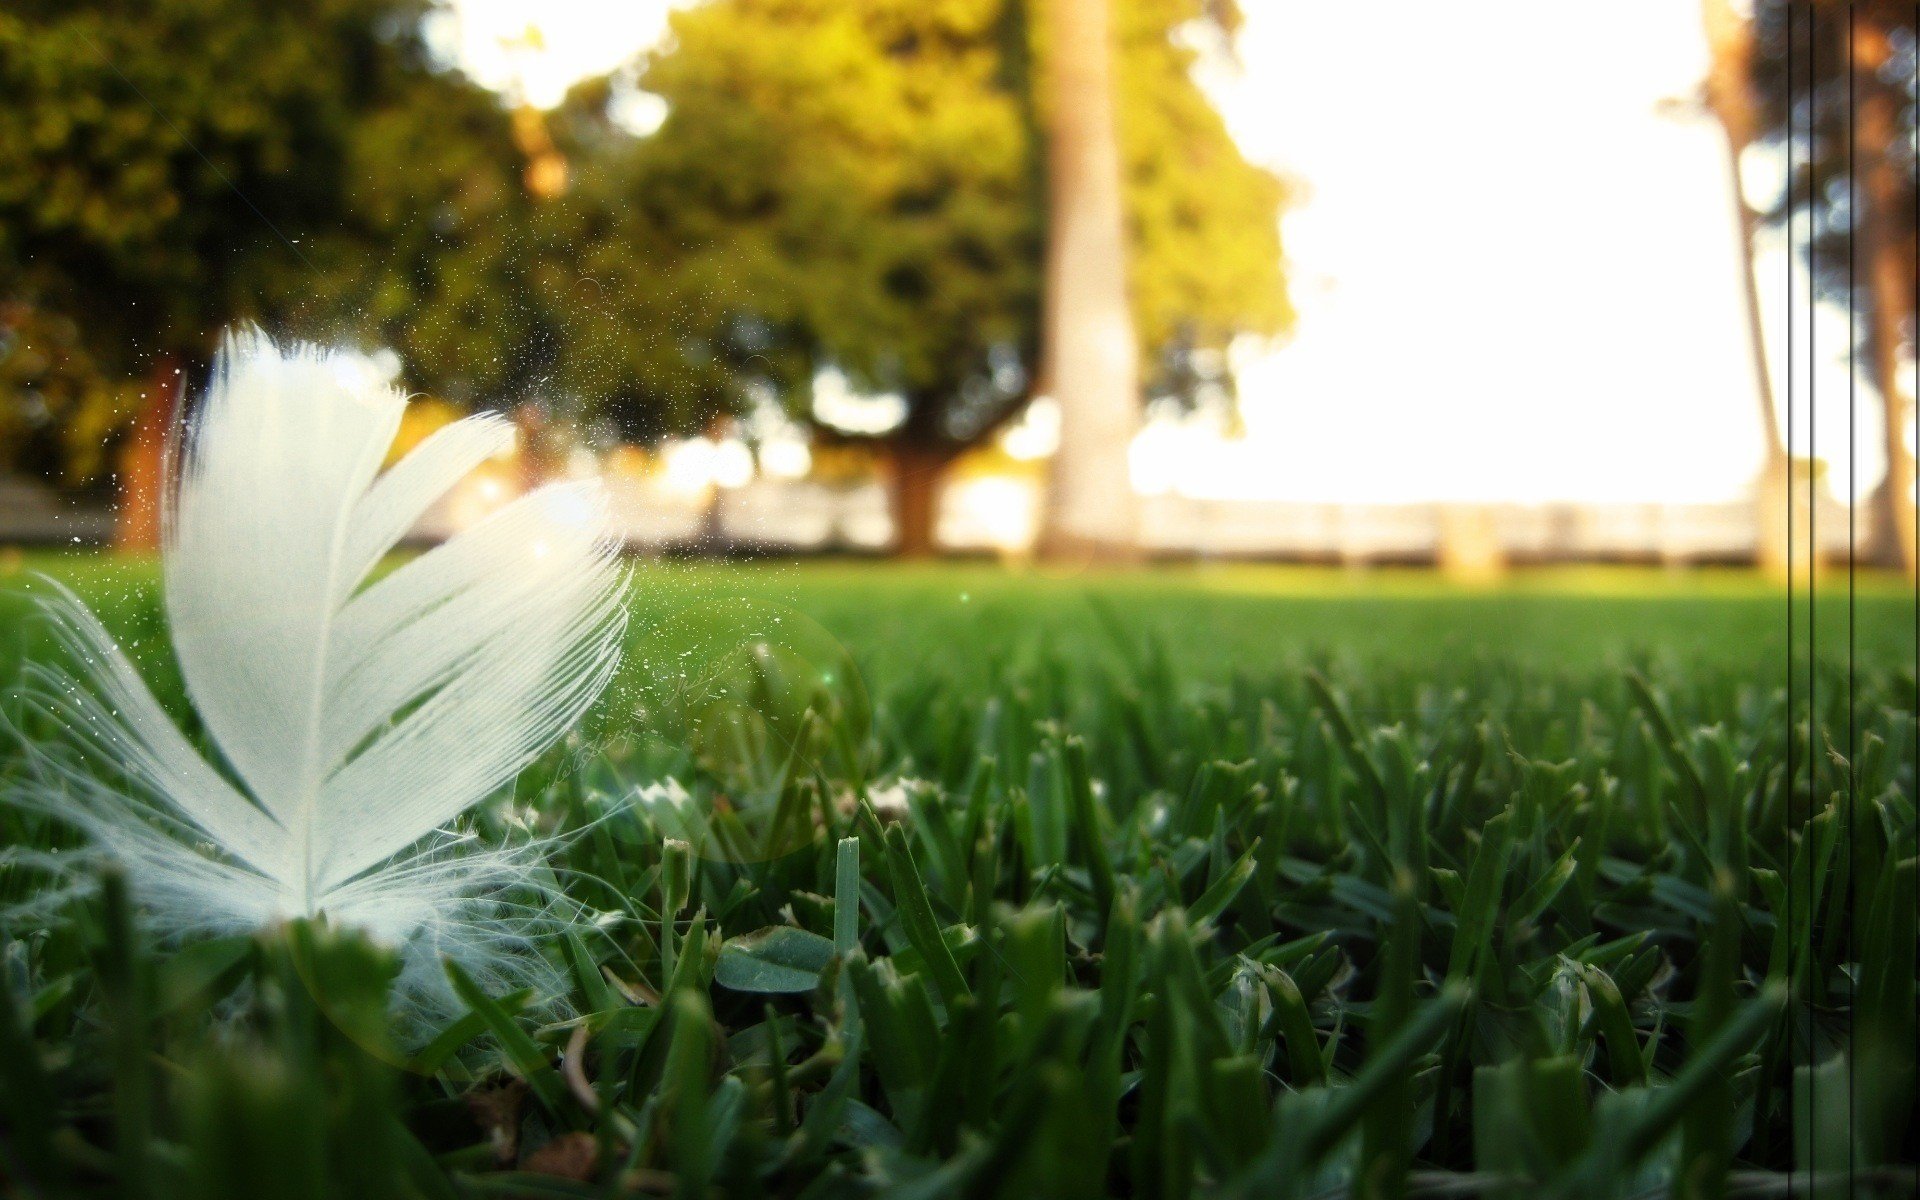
(803, 516)
(1364, 533)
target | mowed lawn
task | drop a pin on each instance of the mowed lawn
(1199, 881)
(1213, 620)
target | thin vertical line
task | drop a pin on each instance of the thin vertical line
(1895, 439)
(1853, 416)
(1813, 563)
(1913, 134)
(1792, 381)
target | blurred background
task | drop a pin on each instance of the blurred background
(1474, 285)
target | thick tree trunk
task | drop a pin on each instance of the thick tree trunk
(1890, 284)
(143, 458)
(1087, 327)
(1730, 95)
(917, 473)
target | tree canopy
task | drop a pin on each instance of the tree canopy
(877, 203)
(874, 203)
(175, 166)
(1812, 89)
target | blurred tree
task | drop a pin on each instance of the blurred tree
(662, 333)
(58, 407)
(1734, 102)
(1839, 86)
(877, 203)
(1091, 355)
(174, 166)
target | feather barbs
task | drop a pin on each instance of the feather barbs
(356, 713)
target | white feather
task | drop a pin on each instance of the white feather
(355, 716)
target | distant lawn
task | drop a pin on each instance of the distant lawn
(1214, 620)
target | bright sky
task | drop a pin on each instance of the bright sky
(534, 50)
(1515, 262)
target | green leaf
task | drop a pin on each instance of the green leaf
(528, 1059)
(916, 915)
(846, 896)
(1527, 909)
(1480, 909)
(1215, 899)
(586, 975)
(779, 958)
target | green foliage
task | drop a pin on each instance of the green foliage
(860, 183)
(1088, 910)
(177, 166)
(58, 406)
(779, 958)
(872, 198)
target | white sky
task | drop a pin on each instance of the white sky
(1515, 266)
(570, 41)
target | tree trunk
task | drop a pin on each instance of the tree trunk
(1730, 95)
(1889, 280)
(1785, 497)
(143, 459)
(917, 475)
(712, 539)
(1470, 551)
(1087, 327)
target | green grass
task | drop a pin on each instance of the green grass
(1204, 882)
